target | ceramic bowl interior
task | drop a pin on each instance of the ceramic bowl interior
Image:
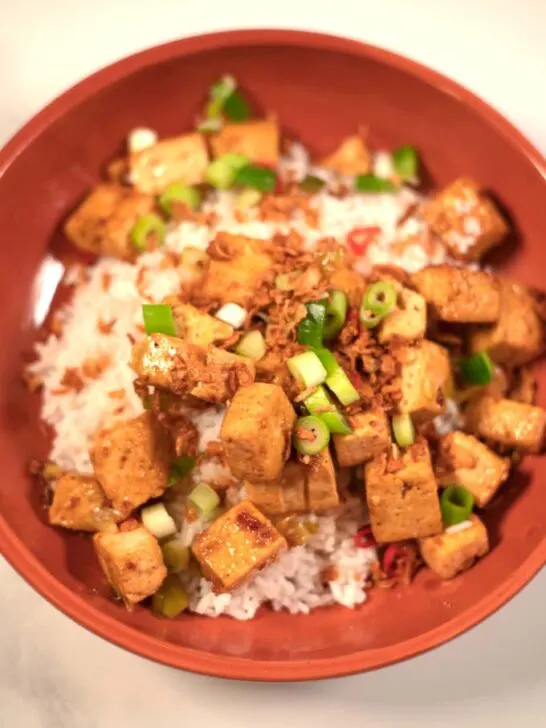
(321, 88)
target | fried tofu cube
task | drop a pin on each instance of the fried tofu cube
(117, 171)
(132, 561)
(507, 423)
(79, 503)
(518, 336)
(210, 374)
(196, 327)
(102, 223)
(464, 460)
(321, 482)
(456, 549)
(371, 435)
(524, 385)
(288, 494)
(236, 545)
(459, 295)
(407, 321)
(350, 282)
(402, 495)
(238, 266)
(350, 158)
(465, 219)
(178, 159)
(132, 460)
(258, 140)
(425, 380)
(257, 432)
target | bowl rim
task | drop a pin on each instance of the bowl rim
(106, 626)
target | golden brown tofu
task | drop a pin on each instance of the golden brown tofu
(425, 380)
(210, 374)
(524, 385)
(456, 549)
(407, 321)
(459, 295)
(131, 461)
(466, 220)
(288, 494)
(118, 171)
(402, 495)
(179, 159)
(518, 336)
(256, 140)
(463, 460)
(350, 282)
(257, 432)
(237, 544)
(238, 266)
(133, 563)
(350, 158)
(371, 435)
(321, 482)
(79, 503)
(196, 327)
(102, 223)
(507, 423)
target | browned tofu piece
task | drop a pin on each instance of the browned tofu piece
(237, 544)
(102, 223)
(287, 494)
(518, 336)
(402, 495)
(133, 563)
(256, 140)
(131, 461)
(425, 380)
(79, 503)
(459, 295)
(179, 159)
(210, 374)
(507, 423)
(321, 482)
(350, 282)
(257, 432)
(456, 549)
(463, 460)
(238, 266)
(466, 220)
(199, 328)
(118, 171)
(371, 435)
(407, 321)
(350, 158)
(524, 385)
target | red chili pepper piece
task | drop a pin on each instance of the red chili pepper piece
(364, 538)
(360, 238)
(392, 553)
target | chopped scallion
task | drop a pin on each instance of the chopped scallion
(310, 331)
(372, 183)
(204, 498)
(158, 319)
(148, 232)
(252, 345)
(307, 369)
(403, 429)
(156, 519)
(478, 369)
(380, 298)
(178, 192)
(340, 384)
(406, 163)
(319, 404)
(312, 184)
(180, 467)
(336, 313)
(236, 107)
(221, 173)
(258, 178)
(170, 599)
(456, 504)
(176, 556)
(311, 435)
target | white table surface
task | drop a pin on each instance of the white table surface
(53, 673)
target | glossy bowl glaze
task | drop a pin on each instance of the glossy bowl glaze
(322, 88)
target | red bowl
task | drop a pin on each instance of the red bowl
(322, 88)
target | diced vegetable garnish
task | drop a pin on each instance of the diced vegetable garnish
(360, 238)
(319, 404)
(176, 556)
(380, 298)
(312, 184)
(311, 435)
(340, 384)
(179, 468)
(371, 183)
(478, 369)
(403, 429)
(456, 504)
(310, 331)
(307, 369)
(246, 199)
(364, 538)
(181, 193)
(252, 345)
(232, 314)
(296, 532)
(328, 360)
(406, 163)
(368, 319)
(204, 498)
(148, 232)
(336, 313)
(171, 598)
(156, 519)
(212, 124)
(141, 138)
(158, 319)
(221, 173)
(237, 107)
(258, 178)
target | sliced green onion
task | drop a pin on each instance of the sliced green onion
(210, 125)
(246, 199)
(380, 298)
(158, 319)
(236, 107)
(456, 504)
(368, 319)
(328, 360)
(336, 313)
(311, 435)
(180, 468)
(372, 183)
(156, 519)
(171, 598)
(221, 173)
(312, 184)
(181, 193)
(478, 369)
(204, 498)
(340, 384)
(319, 404)
(404, 431)
(259, 178)
(176, 556)
(252, 345)
(147, 229)
(406, 163)
(307, 369)
(222, 89)
(310, 331)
